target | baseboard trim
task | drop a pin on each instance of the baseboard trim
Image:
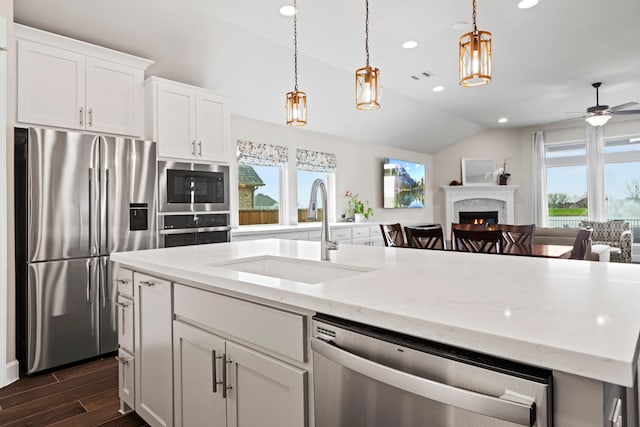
(12, 373)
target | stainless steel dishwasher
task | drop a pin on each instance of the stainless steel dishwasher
(366, 376)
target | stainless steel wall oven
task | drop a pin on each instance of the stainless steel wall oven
(192, 187)
(193, 229)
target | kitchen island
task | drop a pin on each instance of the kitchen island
(576, 318)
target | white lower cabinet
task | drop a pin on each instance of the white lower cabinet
(220, 383)
(153, 361)
(197, 377)
(126, 380)
(264, 391)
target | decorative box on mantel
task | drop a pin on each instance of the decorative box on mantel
(462, 198)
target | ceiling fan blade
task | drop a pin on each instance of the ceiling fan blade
(623, 106)
(617, 113)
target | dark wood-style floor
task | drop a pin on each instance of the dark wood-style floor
(82, 395)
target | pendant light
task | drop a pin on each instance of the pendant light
(367, 78)
(296, 100)
(475, 56)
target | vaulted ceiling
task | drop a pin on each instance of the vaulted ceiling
(544, 58)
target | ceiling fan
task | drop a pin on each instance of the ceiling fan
(598, 115)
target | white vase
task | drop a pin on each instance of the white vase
(359, 217)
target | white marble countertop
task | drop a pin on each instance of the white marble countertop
(573, 316)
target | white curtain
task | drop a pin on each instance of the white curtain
(595, 175)
(540, 205)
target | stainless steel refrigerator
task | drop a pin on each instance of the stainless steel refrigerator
(79, 197)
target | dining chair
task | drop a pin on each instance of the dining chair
(392, 235)
(517, 239)
(425, 238)
(459, 226)
(582, 245)
(477, 241)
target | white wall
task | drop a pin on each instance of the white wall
(496, 144)
(359, 165)
(499, 144)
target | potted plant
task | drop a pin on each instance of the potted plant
(503, 174)
(361, 210)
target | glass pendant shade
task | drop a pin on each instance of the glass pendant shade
(367, 88)
(598, 120)
(475, 58)
(296, 108)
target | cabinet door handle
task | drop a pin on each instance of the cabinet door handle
(90, 117)
(81, 116)
(193, 147)
(200, 148)
(123, 304)
(122, 281)
(147, 283)
(214, 371)
(225, 387)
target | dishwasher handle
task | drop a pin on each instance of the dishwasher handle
(494, 407)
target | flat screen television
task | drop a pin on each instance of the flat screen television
(403, 184)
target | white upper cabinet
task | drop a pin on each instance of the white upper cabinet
(71, 84)
(187, 122)
(51, 86)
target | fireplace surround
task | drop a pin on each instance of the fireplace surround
(498, 198)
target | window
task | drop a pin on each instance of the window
(258, 194)
(260, 181)
(566, 183)
(622, 180)
(311, 165)
(567, 172)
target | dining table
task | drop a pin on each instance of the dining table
(551, 251)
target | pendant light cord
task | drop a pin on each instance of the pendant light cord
(366, 31)
(295, 44)
(475, 28)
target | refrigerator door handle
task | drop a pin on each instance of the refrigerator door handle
(90, 210)
(89, 280)
(103, 282)
(106, 201)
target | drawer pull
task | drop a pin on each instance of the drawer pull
(147, 283)
(122, 360)
(122, 281)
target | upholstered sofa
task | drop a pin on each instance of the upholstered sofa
(615, 233)
(567, 237)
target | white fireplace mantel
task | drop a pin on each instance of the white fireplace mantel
(500, 193)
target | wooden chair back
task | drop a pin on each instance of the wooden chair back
(425, 238)
(482, 241)
(582, 245)
(392, 235)
(468, 227)
(517, 239)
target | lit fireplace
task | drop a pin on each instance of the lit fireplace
(483, 217)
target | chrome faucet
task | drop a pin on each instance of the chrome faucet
(326, 244)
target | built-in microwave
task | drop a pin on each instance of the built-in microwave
(192, 187)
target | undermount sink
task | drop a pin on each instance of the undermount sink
(292, 269)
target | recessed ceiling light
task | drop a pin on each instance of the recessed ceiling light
(503, 120)
(461, 25)
(287, 10)
(438, 88)
(410, 44)
(526, 4)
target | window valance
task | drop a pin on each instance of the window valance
(258, 153)
(315, 161)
